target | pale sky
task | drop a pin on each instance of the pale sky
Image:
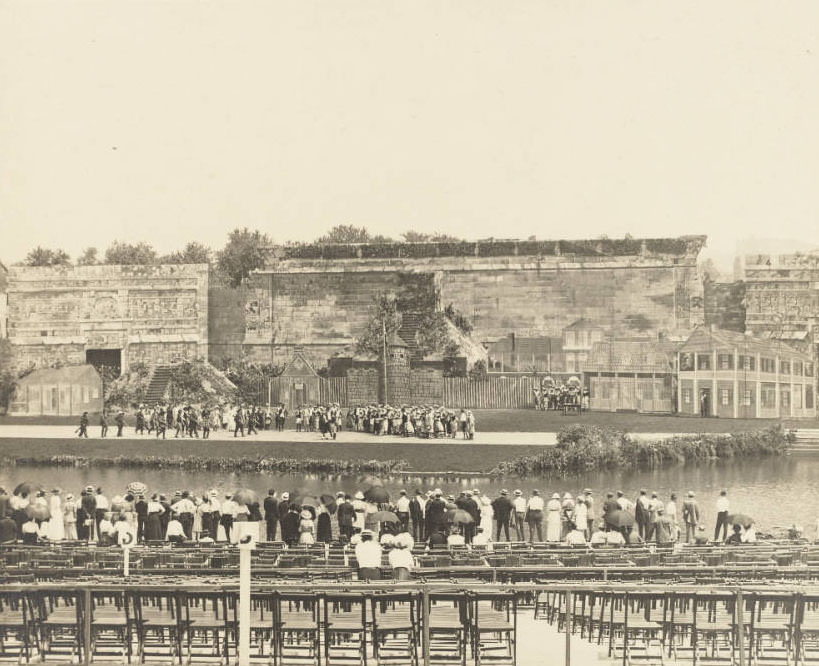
(177, 120)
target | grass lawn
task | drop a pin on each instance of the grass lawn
(422, 458)
(529, 420)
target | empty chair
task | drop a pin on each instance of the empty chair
(296, 628)
(18, 626)
(395, 627)
(345, 627)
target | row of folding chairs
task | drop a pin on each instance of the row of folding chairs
(700, 627)
(287, 627)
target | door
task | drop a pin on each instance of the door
(705, 402)
(299, 395)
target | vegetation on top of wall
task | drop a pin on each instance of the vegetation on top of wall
(586, 448)
(129, 389)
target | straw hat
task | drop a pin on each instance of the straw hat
(518, 493)
(359, 495)
(556, 496)
(403, 540)
(306, 515)
(387, 539)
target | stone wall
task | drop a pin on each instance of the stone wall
(725, 305)
(153, 314)
(362, 386)
(426, 386)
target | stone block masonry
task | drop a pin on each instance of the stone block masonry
(129, 314)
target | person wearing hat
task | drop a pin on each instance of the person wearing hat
(435, 513)
(566, 513)
(70, 517)
(502, 508)
(360, 507)
(271, 515)
(368, 557)
(85, 519)
(534, 516)
(153, 524)
(184, 511)
(307, 528)
(691, 516)
(120, 421)
(345, 516)
(400, 557)
(417, 507)
(663, 528)
(291, 525)
(55, 531)
(519, 514)
(641, 514)
(553, 525)
(722, 516)
(654, 506)
(588, 500)
(402, 510)
(228, 516)
(82, 431)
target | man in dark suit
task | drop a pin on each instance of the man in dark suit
(417, 505)
(436, 514)
(271, 514)
(346, 517)
(502, 506)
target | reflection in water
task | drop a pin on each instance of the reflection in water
(776, 491)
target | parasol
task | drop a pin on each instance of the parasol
(329, 503)
(619, 518)
(385, 517)
(27, 488)
(38, 511)
(137, 488)
(376, 494)
(740, 519)
(459, 517)
(245, 496)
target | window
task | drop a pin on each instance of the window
(686, 396)
(767, 396)
(808, 369)
(686, 361)
(786, 398)
(95, 393)
(767, 365)
(785, 367)
(725, 397)
(797, 397)
(797, 368)
(747, 362)
(747, 398)
(703, 361)
(808, 397)
(725, 361)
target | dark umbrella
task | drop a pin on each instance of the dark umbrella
(245, 496)
(329, 503)
(740, 519)
(376, 495)
(459, 517)
(38, 511)
(385, 517)
(619, 518)
(309, 500)
(27, 488)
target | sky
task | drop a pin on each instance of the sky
(176, 120)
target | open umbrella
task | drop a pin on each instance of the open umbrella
(740, 519)
(309, 500)
(137, 488)
(377, 495)
(38, 511)
(27, 488)
(619, 518)
(329, 503)
(459, 517)
(245, 496)
(385, 517)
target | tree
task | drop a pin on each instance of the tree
(41, 256)
(128, 254)
(193, 253)
(384, 317)
(432, 336)
(88, 257)
(243, 254)
(458, 318)
(8, 380)
(349, 233)
(435, 237)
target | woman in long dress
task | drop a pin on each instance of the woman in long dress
(153, 526)
(306, 528)
(56, 526)
(70, 517)
(487, 514)
(324, 528)
(553, 525)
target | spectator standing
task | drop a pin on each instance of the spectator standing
(691, 516)
(722, 516)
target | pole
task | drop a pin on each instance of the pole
(568, 625)
(86, 627)
(244, 607)
(425, 623)
(740, 620)
(384, 354)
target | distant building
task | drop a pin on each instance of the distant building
(515, 353)
(108, 316)
(630, 375)
(727, 374)
(578, 340)
(68, 391)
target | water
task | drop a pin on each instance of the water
(775, 491)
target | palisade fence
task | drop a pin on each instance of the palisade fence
(508, 392)
(490, 393)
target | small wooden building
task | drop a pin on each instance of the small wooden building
(728, 374)
(298, 384)
(68, 391)
(630, 376)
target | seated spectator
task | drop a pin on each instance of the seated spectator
(634, 538)
(615, 538)
(598, 538)
(575, 537)
(400, 557)
(482, 539)
(437, 539)
(701, 537)
(175, 532)
(736, 537)
(8, 530)
(108, 535)
(749, 535)
(455, 538)
(368, 555)
(30, 531)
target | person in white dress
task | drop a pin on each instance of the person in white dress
(553, 525)
(70, 517)
(56, 526)
(487, 514)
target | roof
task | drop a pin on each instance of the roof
(705, 339)
(67, 375)
(581, 323)
(298, 366)
(628, 356)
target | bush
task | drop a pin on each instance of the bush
(584, 448)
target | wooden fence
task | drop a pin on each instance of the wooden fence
(333, 389)
(491, 393)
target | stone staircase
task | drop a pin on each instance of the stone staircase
(807, 441)
(158, 385)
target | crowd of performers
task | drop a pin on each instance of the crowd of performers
(561, 397)
(163, 420)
